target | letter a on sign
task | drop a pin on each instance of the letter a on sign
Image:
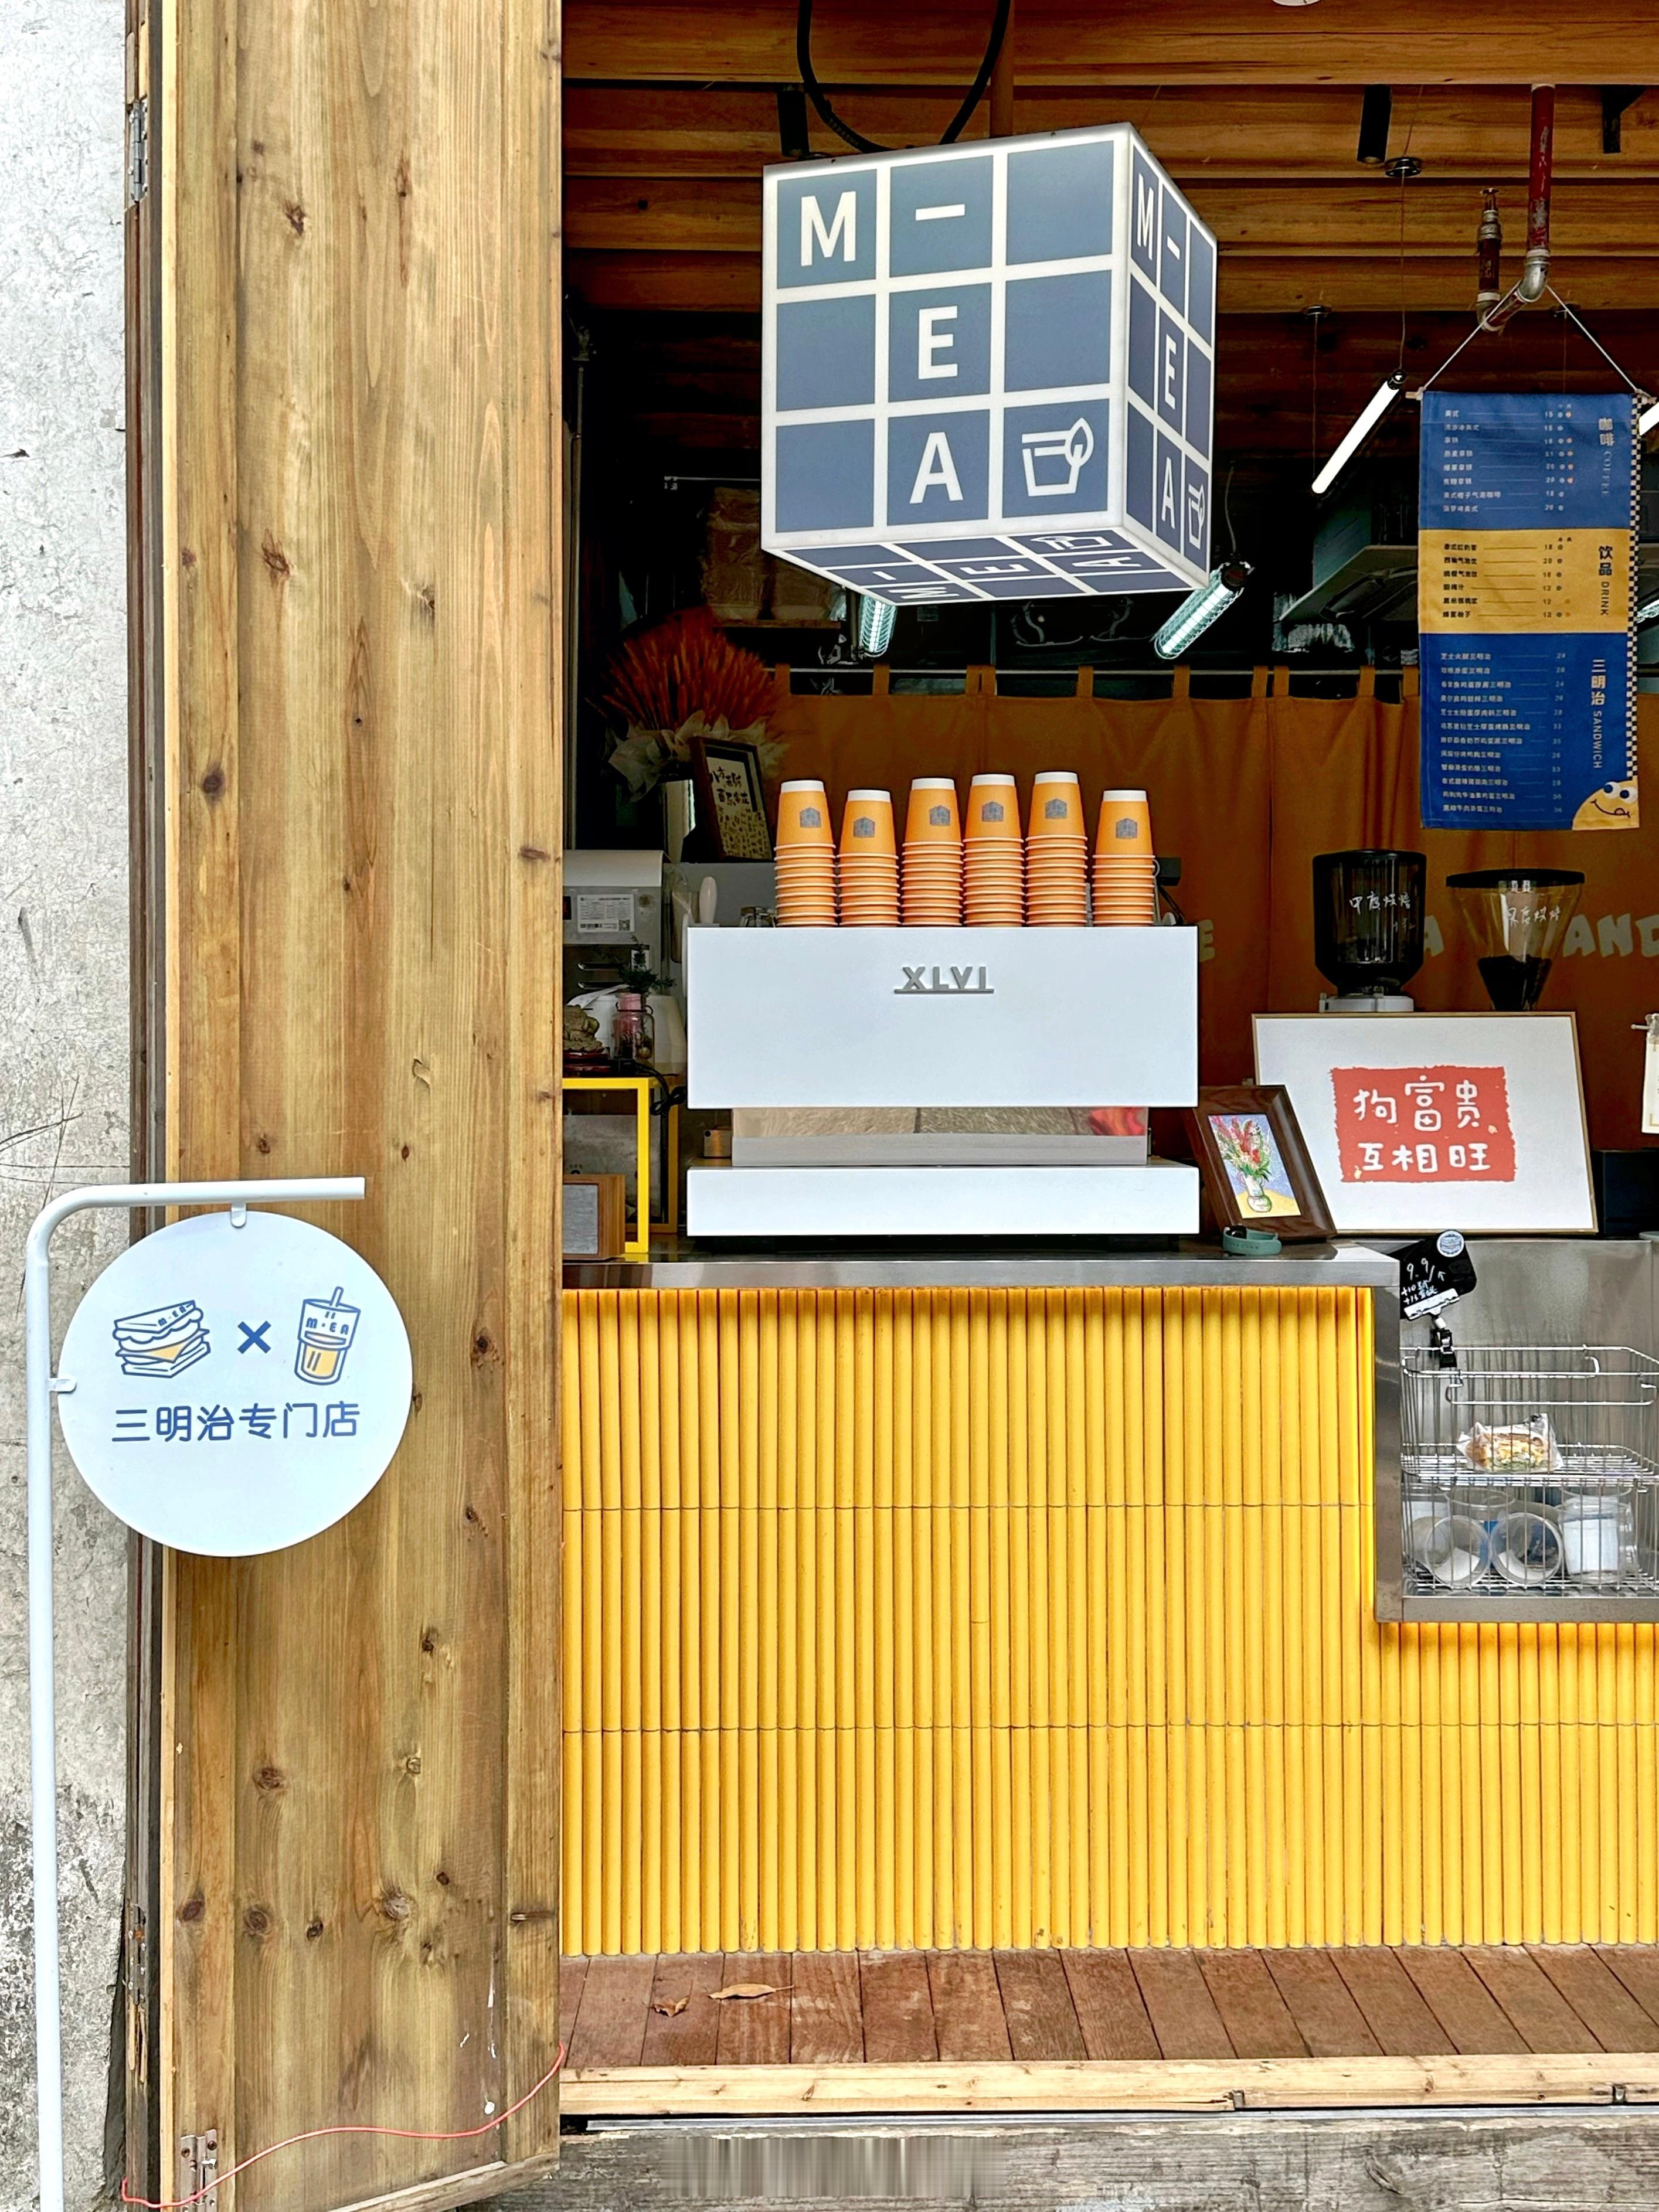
(1168, 505)
(812, 231)
(937, 469)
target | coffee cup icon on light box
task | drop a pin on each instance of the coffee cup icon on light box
(327, 1327)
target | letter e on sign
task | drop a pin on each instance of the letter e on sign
(932, 342)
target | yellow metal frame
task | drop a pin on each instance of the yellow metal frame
(638, 1247)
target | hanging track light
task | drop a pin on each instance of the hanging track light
(1200, 609)
(872, 626)
(1375, 408)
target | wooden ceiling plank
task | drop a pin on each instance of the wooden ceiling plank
(1297, 131)
(1077, 42)
(1367, 217)
(712, 283)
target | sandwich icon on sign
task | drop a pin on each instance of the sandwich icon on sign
(164, 1342)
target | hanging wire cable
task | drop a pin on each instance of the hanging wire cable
(820, 100)
(1573, 316)
(342, 2128)
(1403, 179)
(1485, 323)
(1488, 320)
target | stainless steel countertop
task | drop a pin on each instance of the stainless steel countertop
(1184, 1264)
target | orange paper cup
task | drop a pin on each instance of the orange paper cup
(867, 825)
(1056, 806)
(993, 810)
(1126, 823)
(804, 815)
(934, 816)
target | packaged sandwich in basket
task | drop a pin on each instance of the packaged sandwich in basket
(1524, 1447)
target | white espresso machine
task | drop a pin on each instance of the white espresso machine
(941, 1083)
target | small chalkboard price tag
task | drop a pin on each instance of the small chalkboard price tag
(1434, 1273)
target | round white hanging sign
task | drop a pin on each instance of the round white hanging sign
(231, 1389)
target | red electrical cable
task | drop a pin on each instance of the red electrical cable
(343, 2128)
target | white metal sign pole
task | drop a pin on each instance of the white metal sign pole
(43, 1744)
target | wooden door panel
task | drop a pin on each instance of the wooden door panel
(361, 923)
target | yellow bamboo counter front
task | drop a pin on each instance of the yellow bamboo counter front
(1008, 1602)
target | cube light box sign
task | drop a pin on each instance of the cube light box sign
(989, 371)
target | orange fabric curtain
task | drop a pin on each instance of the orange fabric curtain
(1247, 791)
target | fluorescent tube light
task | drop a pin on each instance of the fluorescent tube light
(1647, 611)
(1200, 609)
(1376, 408)
(872, 626)
(1648, 421)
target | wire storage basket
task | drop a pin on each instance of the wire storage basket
(1529, 1476)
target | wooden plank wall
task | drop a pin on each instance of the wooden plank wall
(1254, 110)
(1077, 42)
(359, 369)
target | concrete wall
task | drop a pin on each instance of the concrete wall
(62, 972)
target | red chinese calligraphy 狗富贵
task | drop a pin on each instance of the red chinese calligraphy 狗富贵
(1398, 1125)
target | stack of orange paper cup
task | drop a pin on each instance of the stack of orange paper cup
(1126, 867)
(1056, 854)
(932, 874)
(869, 862)
(805, 858)
(993, 855)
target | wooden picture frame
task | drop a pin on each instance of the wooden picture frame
(731, 822)
(1234, 1124)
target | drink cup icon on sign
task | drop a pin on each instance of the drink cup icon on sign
(326, 1329)
(1054, 459)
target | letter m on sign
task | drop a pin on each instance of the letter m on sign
(842, 229)
(1146, 215)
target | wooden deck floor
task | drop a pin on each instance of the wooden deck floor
(1085, 2028)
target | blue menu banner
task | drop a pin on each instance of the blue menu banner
(1526, 610)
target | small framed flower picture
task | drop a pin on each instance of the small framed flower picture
(1256, 1167)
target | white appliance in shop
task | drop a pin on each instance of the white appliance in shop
(942, 1017)
(612, 910)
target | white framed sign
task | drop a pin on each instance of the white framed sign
(234, 1383)
(1417, 1122)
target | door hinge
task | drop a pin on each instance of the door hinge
(137, 151)
(198, 2171)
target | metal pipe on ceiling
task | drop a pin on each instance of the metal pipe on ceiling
(1489, 252)
(1536, 272)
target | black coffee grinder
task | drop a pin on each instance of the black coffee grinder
(1368, 928)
